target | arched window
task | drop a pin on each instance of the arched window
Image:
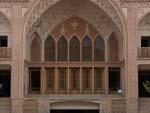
(35, 50)
(86, 49)
(5, 32)
(74, 49)
(113, 49)
(99, 49)
(50, 49)
(62, 49)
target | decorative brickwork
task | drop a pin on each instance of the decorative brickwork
(135, 0)
(14, 0)
(124, 21)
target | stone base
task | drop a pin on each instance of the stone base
(17, 106)
(132, 105)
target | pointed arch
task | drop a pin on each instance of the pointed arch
(5, 25)
(99, 49)
(50, 49)
(144, 20)
(86, 49)
(113, 48)
(74, 50)
(35, 49)
(62, 49)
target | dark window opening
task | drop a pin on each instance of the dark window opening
(87, 77)
(144, 83)
(62, 49)
(50, 79)
(3, 41)
(74, 111)
(99, 49)
(35, 80)
(75, 79)
(86, 49)
(114, 80)
(98, 79)
(62, 80)
(74, 49)
(5, 82)
(145, 41)
(50, 49)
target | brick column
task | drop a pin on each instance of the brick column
(17, 87)
(132, 69)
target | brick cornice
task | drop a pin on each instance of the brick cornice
(135, 0)
(14, 0)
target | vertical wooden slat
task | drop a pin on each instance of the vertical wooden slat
(68, 81)
(144, 52)
(56, 80)
(93, 90)
(80, 80)
(106, 77)
(5, 52)
(42, 80)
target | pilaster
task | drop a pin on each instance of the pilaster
(132, 69)
(17, 80)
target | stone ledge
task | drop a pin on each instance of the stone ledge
(76, 97)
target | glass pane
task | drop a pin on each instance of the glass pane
(113, 49)
(5, 83)
(62, 49)
(114, 79)
(99, 49)
(144, 83)
(75, 78)
(74, 49)
(87, 82)
(86, 49)
(98, 77)
(35, 80)
(145, 41)
(3, 41)
(62, 79)
(50, 75)
(50, 49)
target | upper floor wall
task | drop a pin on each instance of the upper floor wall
(120, 11)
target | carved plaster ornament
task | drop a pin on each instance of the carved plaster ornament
(1, 86)
(38, 24)
(103, 4)
(147, 24)
(146, 86)
(74, 24)
(87, 29)
(62, 29)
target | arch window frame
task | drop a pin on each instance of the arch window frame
(113, 35)
(54, 44)
(77, 51)
(35, 36)
(103, 49)
(90, 52)
(59, 57)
